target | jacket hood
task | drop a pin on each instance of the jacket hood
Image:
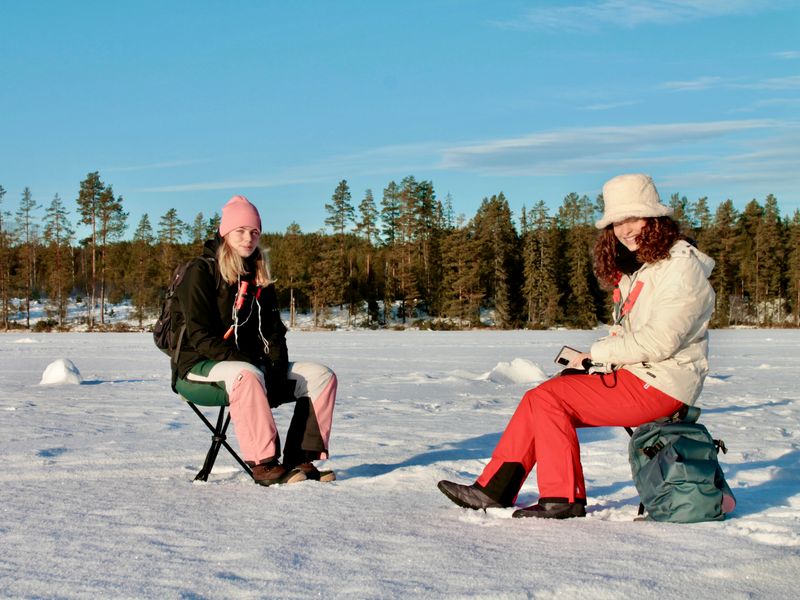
(210, 246)
(683, 249)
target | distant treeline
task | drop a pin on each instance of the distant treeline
(406, 252)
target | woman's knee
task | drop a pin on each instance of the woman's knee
(312, 378)
(248, 386)
(310, 370)
(541, 398)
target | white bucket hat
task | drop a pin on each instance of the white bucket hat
(628, 196)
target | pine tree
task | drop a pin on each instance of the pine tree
(448, 215)
(461, 282)
(28, 233)
(111, 220)
(367, 227)
(292, 262)
(426, 225)
(793, 266)
(391, 255)
(701, 223)
(404, 248)
(5, 261)
(212, 228)
(390, 213)
(770, 234)
(749, 255)
(721, 245)
(88, 200)
(144, 270)
(58, 235)
(540, 247)
(681, 211)
(169, 236)
(197, 231)
(325, 280)
(575, 217)
(497, 255)
(340, 215)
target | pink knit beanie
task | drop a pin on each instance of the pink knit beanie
(238, 212)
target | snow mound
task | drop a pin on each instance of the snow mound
(25, 341)
(61, 371)
(519, 370)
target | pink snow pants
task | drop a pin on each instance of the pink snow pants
(542, 429)
(251, 414)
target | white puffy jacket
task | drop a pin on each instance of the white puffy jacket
(663, 340)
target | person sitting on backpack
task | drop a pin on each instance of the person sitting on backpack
(234, 337)
(655, 354)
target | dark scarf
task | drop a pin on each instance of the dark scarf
(626, 260)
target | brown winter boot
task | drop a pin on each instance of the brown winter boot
(273, 472)
(315, 474)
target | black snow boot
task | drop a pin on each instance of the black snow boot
(468, 496)
(553, 508)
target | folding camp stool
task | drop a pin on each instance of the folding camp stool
(218, 440)
(210, 394)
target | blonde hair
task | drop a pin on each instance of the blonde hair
(232, 266)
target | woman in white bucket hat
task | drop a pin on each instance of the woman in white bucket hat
(654, 358)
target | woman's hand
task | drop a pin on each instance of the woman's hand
(577, 360)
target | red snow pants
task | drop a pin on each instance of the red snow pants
(542, 431)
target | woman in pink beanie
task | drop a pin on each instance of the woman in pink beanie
(234, 351)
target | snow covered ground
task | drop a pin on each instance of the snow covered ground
(97, 498)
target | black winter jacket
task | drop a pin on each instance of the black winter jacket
(205, 304)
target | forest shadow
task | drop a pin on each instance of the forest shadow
(776, 491)
(99, 381)
(471, 448)
(478, 447)
(743, 407)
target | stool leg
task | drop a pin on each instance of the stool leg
(218, 439)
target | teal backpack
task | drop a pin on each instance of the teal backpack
(676, 472)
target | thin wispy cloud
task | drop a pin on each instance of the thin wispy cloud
(608, 106)
(230, 184)
(769, 103)
(787, 55)
(555, 152)
(790, 82)
(753, 150)
(155, 166)
(391, 159)
(701, 83)
(629, 14)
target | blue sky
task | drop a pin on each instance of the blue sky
(183, 104)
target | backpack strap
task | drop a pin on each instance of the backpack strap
(177, 352)
(174, 357)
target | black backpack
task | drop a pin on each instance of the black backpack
(163, 336)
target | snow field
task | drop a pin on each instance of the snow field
(97, 496)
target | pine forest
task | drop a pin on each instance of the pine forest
(395, 258)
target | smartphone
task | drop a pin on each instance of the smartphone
(566, 355)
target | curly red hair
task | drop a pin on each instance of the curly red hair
(655, 240)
